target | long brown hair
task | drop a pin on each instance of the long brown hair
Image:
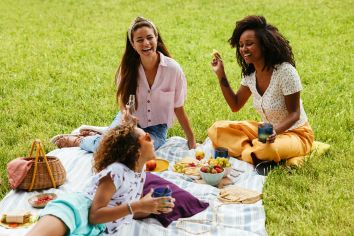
(128, 69)
(119, 144)
(275, 47)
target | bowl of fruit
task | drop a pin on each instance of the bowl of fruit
(212, 174)
(223, 163)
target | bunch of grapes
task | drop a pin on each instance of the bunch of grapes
(220, 161)
(212, 169)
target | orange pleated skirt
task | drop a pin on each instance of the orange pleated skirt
(241, 139)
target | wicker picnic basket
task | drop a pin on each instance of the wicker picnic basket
(46, 171)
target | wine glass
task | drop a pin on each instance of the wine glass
(130, 106)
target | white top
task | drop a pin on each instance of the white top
(129, 187)
(271, 106)
(156, 104)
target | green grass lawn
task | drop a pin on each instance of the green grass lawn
(57, 66)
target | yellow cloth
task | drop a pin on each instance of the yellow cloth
(241, 139)
(318, 148)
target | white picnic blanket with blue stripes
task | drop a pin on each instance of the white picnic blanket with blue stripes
(217, 219)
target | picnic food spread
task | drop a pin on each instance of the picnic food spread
(192, 166)
(15, 220)
(236, 194)
(150, 165)
(14, 217)
(220, 161)
(211, 169)
(157, 165)
(199, 154)
(41, 200)
(188, 166)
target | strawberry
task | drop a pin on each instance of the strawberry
(204, 169)
(218, 169)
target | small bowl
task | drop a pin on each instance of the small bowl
(36, 201)
(212, 179)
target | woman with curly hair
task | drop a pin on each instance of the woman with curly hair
(114, 194)
(269, 75)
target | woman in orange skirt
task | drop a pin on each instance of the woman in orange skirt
(269, 75)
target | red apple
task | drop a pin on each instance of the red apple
(150, 165)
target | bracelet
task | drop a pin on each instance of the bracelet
(130, 209)
(223, 82)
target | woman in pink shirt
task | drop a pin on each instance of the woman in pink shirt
(158, 83)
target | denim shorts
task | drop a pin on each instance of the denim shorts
(157, 132)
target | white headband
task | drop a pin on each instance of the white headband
(136, 22)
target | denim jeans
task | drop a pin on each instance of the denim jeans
(157, 132)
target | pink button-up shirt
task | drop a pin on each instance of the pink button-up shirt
(156, 104)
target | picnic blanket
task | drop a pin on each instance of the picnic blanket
(217, 219)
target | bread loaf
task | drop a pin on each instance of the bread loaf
(20, 218)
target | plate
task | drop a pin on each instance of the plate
(41, 200)
(161, 165)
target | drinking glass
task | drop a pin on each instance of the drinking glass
(264, 130)
(130, 106)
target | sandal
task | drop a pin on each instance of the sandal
(264, 167)
(66, 140)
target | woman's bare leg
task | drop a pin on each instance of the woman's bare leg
(48, 226)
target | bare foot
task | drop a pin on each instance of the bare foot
(67, 140)
(88, 132)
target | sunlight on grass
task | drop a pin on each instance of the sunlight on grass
(57, 66)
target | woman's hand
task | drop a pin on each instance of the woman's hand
(218, 65)
(271, 138)
(235, 100)
(150, 205)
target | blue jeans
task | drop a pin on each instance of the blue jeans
(157, 132)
